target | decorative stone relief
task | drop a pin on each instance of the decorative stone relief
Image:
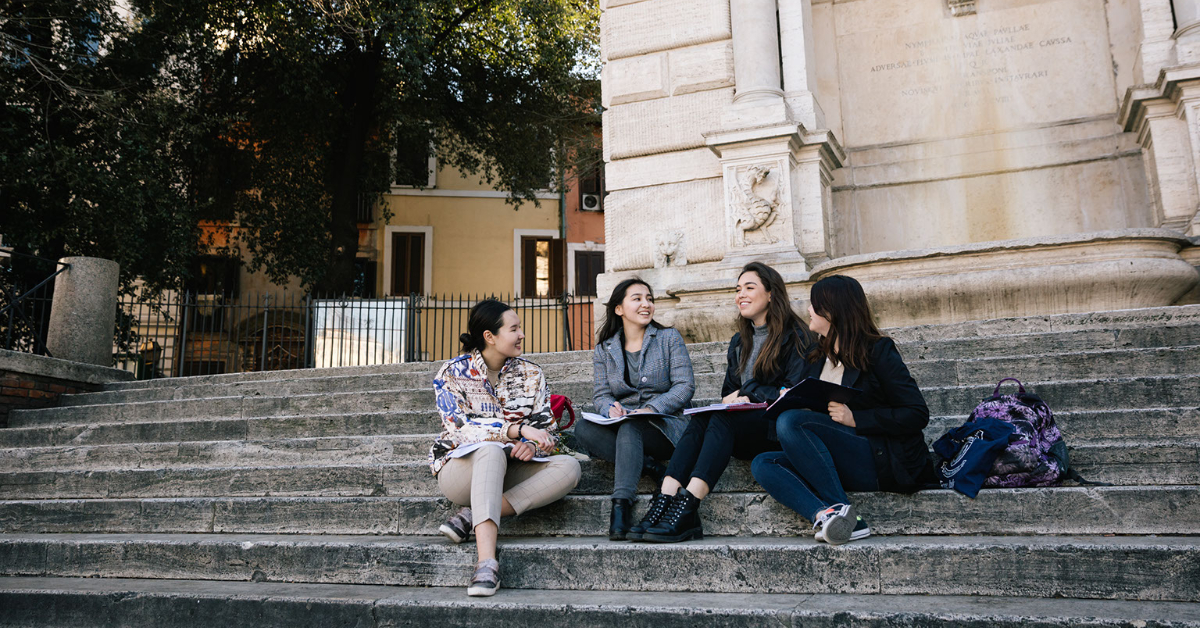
(755, 200)
(670, 251)
(959, 8)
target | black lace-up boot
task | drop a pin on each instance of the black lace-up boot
(622, 516)
(658, 506)
(680, 522)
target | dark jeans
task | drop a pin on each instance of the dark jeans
(711, 439)
(820, 460)
(625, 444)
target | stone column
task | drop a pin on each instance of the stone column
(758, 98)
(755, 50)
(1187, 31)
(83, 311)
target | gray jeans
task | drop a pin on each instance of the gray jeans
(626, 445)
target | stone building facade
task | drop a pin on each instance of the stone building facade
(965, 159)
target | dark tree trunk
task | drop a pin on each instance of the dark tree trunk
(360, 93)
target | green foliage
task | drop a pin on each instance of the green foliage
(90, 161)
(280, 117)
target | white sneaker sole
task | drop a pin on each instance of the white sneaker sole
(860, 534)
(451, 534)
(483, 591)
(839, 529)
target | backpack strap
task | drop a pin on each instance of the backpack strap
(1072, 474)
(1020, 386)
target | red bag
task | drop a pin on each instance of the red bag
(560, 406)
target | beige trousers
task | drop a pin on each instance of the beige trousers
(481, 478)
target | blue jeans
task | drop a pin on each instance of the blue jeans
(820, 460)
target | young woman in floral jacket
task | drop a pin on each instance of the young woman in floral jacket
(490, 456)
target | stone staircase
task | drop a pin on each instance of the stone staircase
(291, 498)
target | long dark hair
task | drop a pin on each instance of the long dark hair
(612, 325)
(782, 320)
(841, 301)
(487, 315)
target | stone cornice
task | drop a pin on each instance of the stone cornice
(1134, 107)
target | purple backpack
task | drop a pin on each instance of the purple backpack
(1036, 454)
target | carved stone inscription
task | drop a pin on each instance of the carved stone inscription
(1000, 69)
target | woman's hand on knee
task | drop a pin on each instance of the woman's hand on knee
(840, 413)
(522, 451)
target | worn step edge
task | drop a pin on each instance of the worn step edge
(88, 602)
(1096, 567)
(1062, 510)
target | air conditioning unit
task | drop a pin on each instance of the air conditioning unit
(590, 203)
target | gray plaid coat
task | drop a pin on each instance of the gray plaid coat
(665, 383)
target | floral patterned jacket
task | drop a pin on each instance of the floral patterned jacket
(472, 411)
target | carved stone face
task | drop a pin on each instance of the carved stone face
(668, 244)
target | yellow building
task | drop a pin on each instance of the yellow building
(455, 234)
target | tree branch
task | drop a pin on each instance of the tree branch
(443, 36)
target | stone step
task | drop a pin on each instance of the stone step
(229, 407)
(1165, 391)
(1062, 511)
(156, 431)
(268, 452)
(131, 603)
(1150, 423)
(393, 449)
(1141, 463)
(1149, 327)
(1049, 365)
(1095, 567)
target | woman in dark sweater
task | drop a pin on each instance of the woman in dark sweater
(875, 443)
(766, 354)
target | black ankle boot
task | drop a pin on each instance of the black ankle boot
(658, 506)
(680, 522)
(622, 516)
(654, 470)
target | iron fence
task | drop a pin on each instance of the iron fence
(180, 333)
(26, 292)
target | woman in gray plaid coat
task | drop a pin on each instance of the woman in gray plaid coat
(640, 367)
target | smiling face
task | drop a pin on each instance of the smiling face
(506, 341)
(637, 307)
(817, 323)
(752, 298)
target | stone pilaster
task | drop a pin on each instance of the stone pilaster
(1166, 118)
(799, 64)
(777, 193)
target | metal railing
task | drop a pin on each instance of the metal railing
(24, 310)
(179, 333)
